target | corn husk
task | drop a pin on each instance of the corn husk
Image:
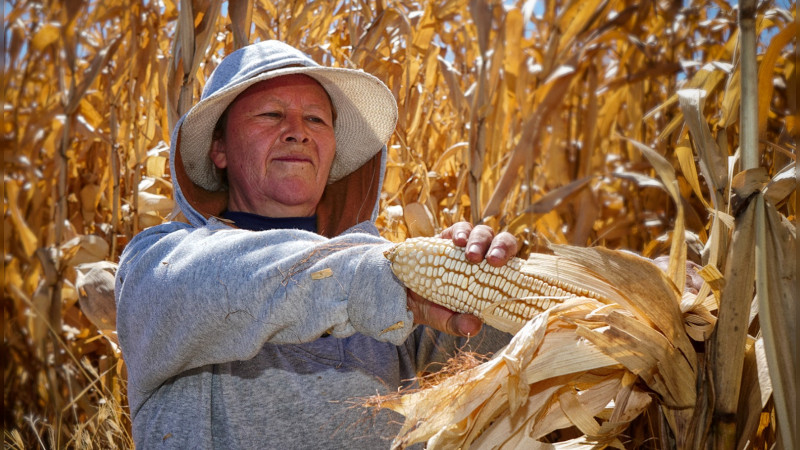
(588, 363)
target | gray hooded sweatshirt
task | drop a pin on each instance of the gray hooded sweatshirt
(231, 342)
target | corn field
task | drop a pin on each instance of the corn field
(660, 127)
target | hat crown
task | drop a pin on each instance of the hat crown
(252, 60)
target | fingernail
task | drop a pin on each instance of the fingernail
(496, 253)
(474, 248)
(461, 235)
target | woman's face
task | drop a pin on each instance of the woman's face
(278, 147)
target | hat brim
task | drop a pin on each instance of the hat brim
(366, 115)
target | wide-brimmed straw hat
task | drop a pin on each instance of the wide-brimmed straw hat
(366, 111)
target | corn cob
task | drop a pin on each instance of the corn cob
(505, 297)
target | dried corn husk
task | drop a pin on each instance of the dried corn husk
(595, 364)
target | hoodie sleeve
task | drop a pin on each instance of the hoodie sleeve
(188, 297)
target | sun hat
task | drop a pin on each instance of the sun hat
(366, 111)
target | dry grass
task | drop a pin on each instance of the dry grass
(560, 127)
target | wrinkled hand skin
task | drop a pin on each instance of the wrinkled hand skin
(480, 243)
(693, 280)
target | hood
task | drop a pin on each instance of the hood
(367, 114)
(345, 203)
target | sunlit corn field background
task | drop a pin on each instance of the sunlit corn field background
(608, 123)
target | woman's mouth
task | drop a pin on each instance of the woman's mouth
(293, 159)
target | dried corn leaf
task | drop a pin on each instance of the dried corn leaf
(26, 236)
(727, 345)
(84, 249)
(646, 353)
(665, 171)
(46, 35)
(776, 278)
(565, 352)
(576, 18)
(686, 162)
(155, 203)
(766, 70)
(241, 14)
(713, 165)
(731, 100)
(783, 184)
(757, 389)
(419, 220)
(95, 286)
(523, 156)
(647, 290)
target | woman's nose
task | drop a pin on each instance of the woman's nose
(295, 129)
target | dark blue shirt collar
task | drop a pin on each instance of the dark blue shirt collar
(255, 222)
